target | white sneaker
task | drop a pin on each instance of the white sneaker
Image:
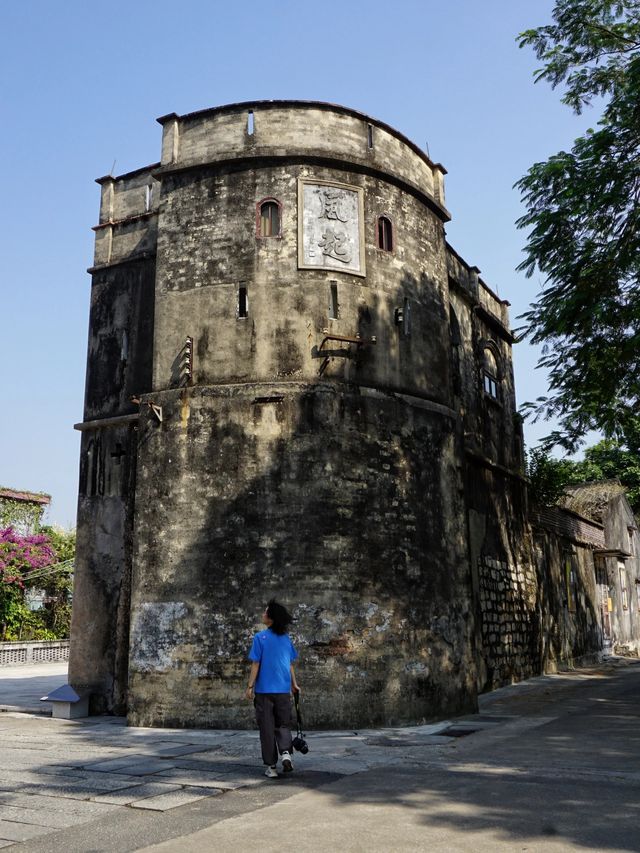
(287, 763)
(271, 773)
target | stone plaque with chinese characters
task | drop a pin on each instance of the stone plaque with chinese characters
(330, 227)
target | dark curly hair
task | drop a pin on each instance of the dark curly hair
(280, 616)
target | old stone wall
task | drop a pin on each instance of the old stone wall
(570, 603)
(313, 422)
(118, 367)
(301, 130)
(623, 573)
(318, 498)
(287, 318)
(510, 620)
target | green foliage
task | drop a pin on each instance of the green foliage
(583, 221)
(606, 460)
(587, 47)
(34, 563)
(609, 460)
(21, 515)
(548, 477)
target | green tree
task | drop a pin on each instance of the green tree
(608, 460)
(548, 477)
(58, 585)
(583, 221)
(29, 562)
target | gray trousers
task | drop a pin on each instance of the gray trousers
(273, 715)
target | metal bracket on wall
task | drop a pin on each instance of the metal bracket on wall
(157, 410)
(341, 353)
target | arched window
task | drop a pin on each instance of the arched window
(268, 219)
(385, 234)
(490, 372)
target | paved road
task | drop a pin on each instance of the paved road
(550, 765)
(22, 687)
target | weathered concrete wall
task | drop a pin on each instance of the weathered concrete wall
(623, 571)
(102, 577)
(120, 345)
(207, 249)
(480, 320)
(505, 583)
(118, 366)
(299, 129)
(329, 473)
(321, 499)
(571, 624)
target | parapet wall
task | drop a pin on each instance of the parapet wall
(297, 129)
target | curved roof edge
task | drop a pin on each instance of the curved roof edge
(323, 105)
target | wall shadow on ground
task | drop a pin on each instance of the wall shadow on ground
(556, 776)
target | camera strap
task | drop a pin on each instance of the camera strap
(296, 701)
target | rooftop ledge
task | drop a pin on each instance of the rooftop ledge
(296, 104)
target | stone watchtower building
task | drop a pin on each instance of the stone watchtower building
(295, 388)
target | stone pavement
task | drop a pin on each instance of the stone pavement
(551, 764)
(21, 687)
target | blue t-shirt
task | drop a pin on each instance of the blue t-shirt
(275, 654)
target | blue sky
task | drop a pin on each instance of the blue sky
(84, 82)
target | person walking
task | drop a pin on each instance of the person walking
(271, 681)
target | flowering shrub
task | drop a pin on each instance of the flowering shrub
(20, 557)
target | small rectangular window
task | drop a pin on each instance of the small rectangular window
(631, 542)
(490, 386)
(148, 197)
(250, 125)
(333, 300)
(370, 135)
(243, 303)
(623, 585)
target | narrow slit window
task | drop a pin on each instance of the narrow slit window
(570, 583)
(370, 136)
(250, 124)
(269, 219)
(385, 234)
(333, 300)
(148, 197)
(243, 303)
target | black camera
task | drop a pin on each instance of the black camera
(300, 745)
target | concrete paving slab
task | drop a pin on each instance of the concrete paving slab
(167, 749)
(43, 817)
(131, 765)
(172, 800)
(72, 790)
(231, 784)
(81, 808)
(202, 778)
(13, 831)
(17, 779)
(136, 792)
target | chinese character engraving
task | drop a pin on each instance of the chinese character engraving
(331, 217)
(333, 205)
(334, 244)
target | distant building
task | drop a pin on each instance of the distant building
(22, 510)
(617, 564)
